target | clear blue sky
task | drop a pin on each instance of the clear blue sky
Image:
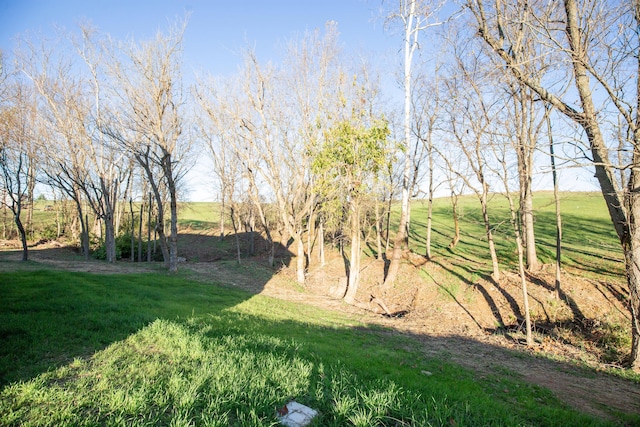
(217, 29)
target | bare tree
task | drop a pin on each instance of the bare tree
(471, 111)
(281, 158)
(597, 44)
(217, 129)
(285, 112)
(17, 166)
(78, 160)
(450, 164)
(503, 171)
(526, 131)
(147, 121)
(556, 197)
(225, 132)
(415, 16)
(527, 120)
(426, 109)
(217, 119)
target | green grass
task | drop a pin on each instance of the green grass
(200, 216)
(589, 243)
(134, 350)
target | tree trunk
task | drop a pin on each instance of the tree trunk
(31, 184)
(492, 247)
(300, 258)
(59, 224)
(149, 229)
(529, 234)
(388, 222)
(310, 233)
(84, 232)
(133, 232)
(222, 208)
(265, 227)
(159, 228)
(429, 225)
(634, 225)
(321, 242)
(109, 238)
(162, 238)
(4, 214)
(251, 223)
(235, 222)
(456, 220)
(632, 259)
(107, 205)
(140, 231)
(556, 198)
(84, 229)
(23, 234)
(378, 230)
(354, 260)
(631, 248)
(524, 147)
(173, 239)
(402, 235)
(523, 279)
(523, 282)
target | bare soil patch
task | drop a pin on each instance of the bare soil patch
(476, 324)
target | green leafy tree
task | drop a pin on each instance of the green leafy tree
(346, 167)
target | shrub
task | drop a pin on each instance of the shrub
(123, 247)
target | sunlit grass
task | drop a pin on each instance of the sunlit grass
(136, 350)
(590, 246)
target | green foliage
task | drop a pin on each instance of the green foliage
(50, 232)
(150, 349)
(351, 156)
(123, 247)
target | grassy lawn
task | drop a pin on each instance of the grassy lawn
(133, 350)
(590, 245)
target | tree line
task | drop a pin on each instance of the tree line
(311, 149)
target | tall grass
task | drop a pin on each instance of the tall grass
(140, 350)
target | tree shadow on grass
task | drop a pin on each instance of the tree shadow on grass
(50, 316)
(513, 304)
(510, 321)
(90, 312)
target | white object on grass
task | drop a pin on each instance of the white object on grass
(297, 415)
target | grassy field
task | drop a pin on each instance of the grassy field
(140, 350)
(590, 245)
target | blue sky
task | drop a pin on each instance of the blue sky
(217, 29)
